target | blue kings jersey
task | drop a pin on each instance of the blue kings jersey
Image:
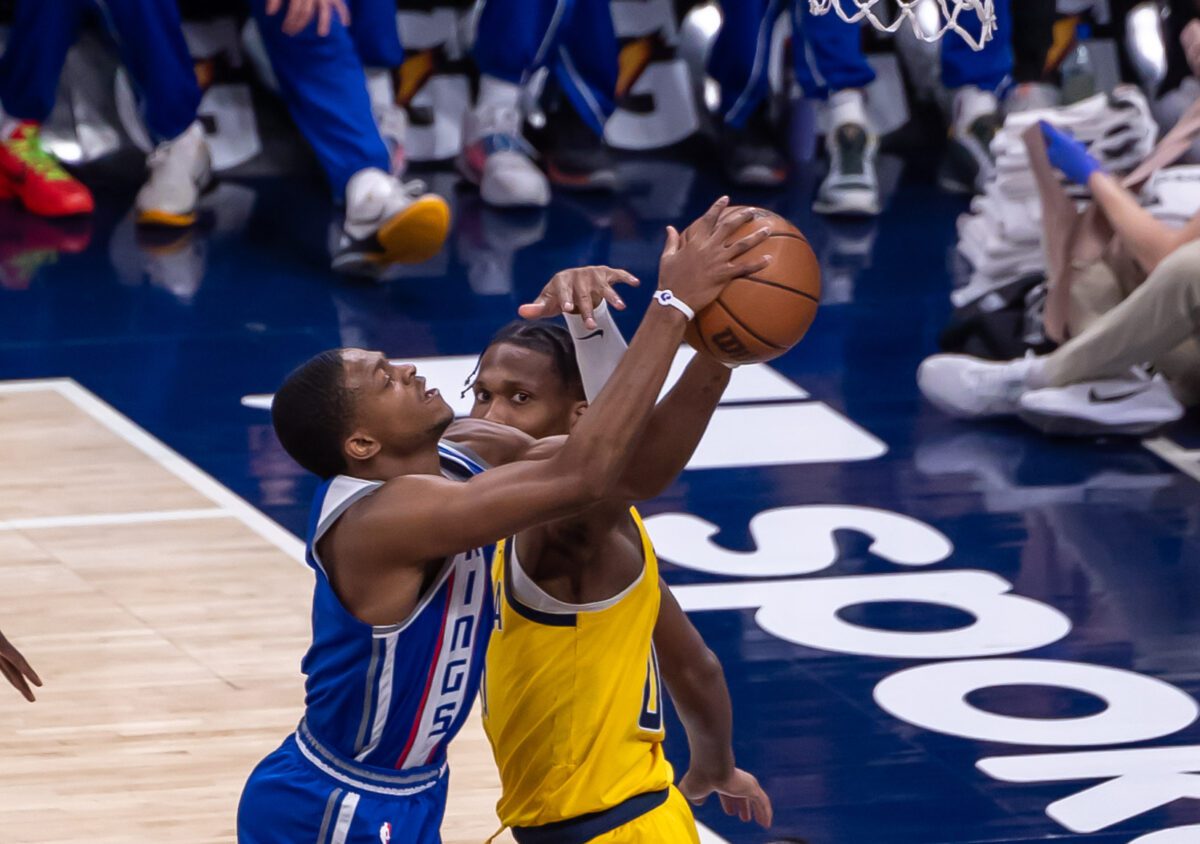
(392, 697)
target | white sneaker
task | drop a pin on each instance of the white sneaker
(180, 170)
(851, 186)
(969, 162)
(971, 388)
(497, 157)
(389, 222)
(1133, 406)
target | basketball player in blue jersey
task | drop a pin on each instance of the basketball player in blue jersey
(584, 623)
(402, 606)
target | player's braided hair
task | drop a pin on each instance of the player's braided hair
(311, 414)
(549, 338)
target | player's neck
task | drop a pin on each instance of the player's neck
(385, 467)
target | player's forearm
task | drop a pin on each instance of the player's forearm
(1148, 240)
(701, 698)
(598, 350)
(599, 448)
(675, 429)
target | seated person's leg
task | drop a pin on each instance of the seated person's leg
(1159, 315)
(518, 37)
(150, 36)
(1158, 324)
(376, 37)
(323, 85)
(584, 68)
(974, 77)
(830, 63)
(515, 38)
(739, 61)
(34, 55)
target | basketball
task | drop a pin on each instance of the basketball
(757, 318)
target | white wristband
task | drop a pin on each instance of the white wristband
(669, 299)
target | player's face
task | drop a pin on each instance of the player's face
(520, 387)
(391, 402)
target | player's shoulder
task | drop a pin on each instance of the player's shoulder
(495, 444)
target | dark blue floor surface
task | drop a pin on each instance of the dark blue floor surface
(174, 332)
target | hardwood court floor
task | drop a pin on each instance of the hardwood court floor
(167, 619)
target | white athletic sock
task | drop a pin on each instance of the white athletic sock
(1035, 375)
(494, 92)
(971, 103)
(379, 86)
(847, 106)
(598, 350)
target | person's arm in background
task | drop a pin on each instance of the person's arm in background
(17, 670)
(1148, 240)
(696, 683)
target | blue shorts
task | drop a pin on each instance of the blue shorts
(289, 799)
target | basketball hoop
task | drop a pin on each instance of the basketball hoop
(852, 11)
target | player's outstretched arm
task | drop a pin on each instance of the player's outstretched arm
(417, 518)
(696, 683)
(14, 667)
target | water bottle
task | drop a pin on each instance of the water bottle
(1078, 72)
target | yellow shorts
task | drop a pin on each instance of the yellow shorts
(670, 823)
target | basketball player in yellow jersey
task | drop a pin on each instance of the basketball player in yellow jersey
(572, 693)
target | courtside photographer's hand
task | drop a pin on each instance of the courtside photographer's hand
(696, 265)
(579, 291)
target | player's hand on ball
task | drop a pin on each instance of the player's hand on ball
(696, 265)
(739, 792)
(301, 13)
(579, 291)
(16, 669)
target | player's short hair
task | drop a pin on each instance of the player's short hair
(311, 414)
(549, 338)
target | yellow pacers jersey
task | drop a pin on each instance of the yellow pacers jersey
(572, 701)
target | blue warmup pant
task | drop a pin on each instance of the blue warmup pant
(828, 55)
(325, 89)
(148, 36)
(573, 38)
(373, 30)
(986, 69)
(287, 799)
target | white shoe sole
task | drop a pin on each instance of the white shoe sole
(858, 203)
(1073, 426)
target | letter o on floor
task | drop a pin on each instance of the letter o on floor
(934, 697)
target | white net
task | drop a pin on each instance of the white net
(930, 19)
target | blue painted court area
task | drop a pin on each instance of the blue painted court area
(934, 633)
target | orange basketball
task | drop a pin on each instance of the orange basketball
(759, 317)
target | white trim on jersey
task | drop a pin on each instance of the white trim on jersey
(361, 785)
(383, 694)
(452, 667)
(345, 817)
(533, 596)
(343, 492)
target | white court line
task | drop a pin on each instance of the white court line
(1185, 460)
(100, 519)
(170, 460)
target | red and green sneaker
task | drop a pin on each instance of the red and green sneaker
(35, 177)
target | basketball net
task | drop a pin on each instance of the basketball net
(950, 11)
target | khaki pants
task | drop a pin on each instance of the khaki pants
(1117, 324)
